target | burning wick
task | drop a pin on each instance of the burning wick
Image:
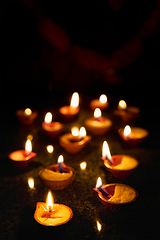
(60, 163)
(99, 187)
(106, 155)
(97, 114)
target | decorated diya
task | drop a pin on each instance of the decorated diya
(57, 176)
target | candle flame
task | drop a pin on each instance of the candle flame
(99, 182)
(82, 132)
(49, 201)
(99, 226)
(31, 182)
(60, 159)
(127, 130)
(27, 111)
(103, 98)
(28, 147)
(50, 148)
(48, 118)
(75, 131)
(122, 104)
(74, 100)
(83, 165)
(105, 151)
(97, 113)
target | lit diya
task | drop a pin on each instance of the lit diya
(70, 112)
(73, 142)
(100, 103)
(120, 166)
(52, 214)
(115, 195)
(133, 136)
(21, 158)
(127, 113)
(57, 176)
(98, 125)
(26, 116)
(52, 129)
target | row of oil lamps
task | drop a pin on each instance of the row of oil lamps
(59, 175)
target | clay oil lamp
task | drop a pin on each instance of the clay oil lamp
(115, 196)
(133, 136)
(70, 112)
(73, 142)
(26, 116)
(57, 176)
(127, 113)
(52, 214)
(52, 129)
(98, 125)
(121, 166)
(100, 103)
(21, 158)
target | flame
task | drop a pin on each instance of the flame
(48, 118)
(99, 226)
(74, 100)
(122, 104)
(83, 165)
(99, 182)
(31, 182)
(82, 132)
(75, 131)
(27, 111)
(28, 147)
(49, 201)
(103, 98)
(106, 151)
(60, 159)
(97, 113)
(50, 148)
(127, 130)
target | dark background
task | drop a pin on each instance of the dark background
(49, 49)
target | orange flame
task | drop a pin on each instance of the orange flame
(28, 147)
(106, 151)
(74, 100)
(48, 118)
(49, 201)
(122, 104)
(103, 98)
(127, 131)
(99, 182)
(97, 113)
